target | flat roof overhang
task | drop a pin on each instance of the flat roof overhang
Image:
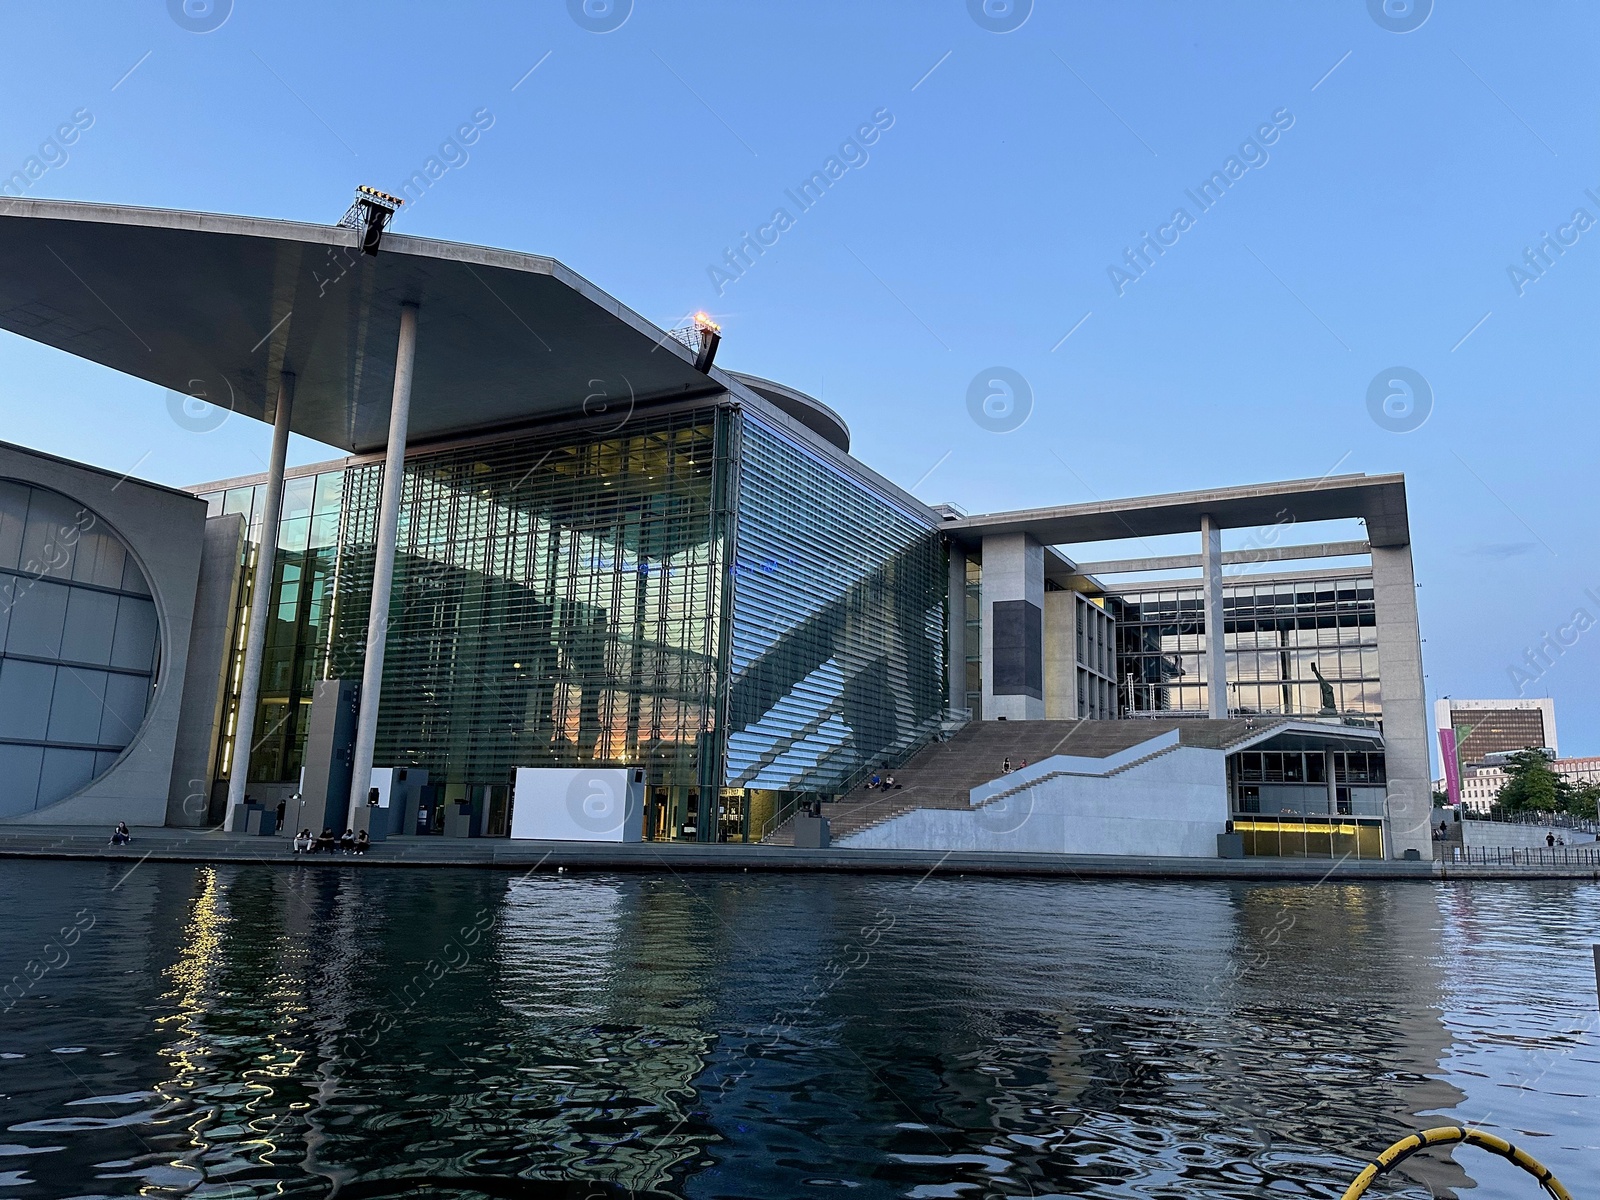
(1309, 735)
(199, 302)
(1380, 500)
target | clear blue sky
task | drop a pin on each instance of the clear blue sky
(1378, 232)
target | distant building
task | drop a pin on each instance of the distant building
(1472, 732)
(1480, 787)
(1481, 784)
(1578, 771)
(1485, 727)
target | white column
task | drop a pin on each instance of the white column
(1211, 591)
(956, 642)
(255, 645)
(1405, 711)
(394, 463)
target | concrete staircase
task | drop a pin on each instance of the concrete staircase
(943, 774)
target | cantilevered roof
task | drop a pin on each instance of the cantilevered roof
(808, 410)
(1378, 499)
(203, 303)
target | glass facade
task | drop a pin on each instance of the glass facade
(300, 616)
(699, 594)
(1309, 804)
(838, 622)
(557, 600)
(79, 647)
(1278, 636)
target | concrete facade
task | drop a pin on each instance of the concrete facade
(955, 662)
(1013, 628)
(1079, 658)
(162, 530)
(1405, 706)
(194, 760)
(1211, 589)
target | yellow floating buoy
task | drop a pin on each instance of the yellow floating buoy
(1450, 1135)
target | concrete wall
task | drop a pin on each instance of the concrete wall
(1506, 836)
(1060, 656)
(956, 632)
(1405, 706)
(194, 760)
(1013, 577)
(163, 530)
(1171, 805)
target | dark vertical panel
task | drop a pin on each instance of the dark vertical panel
(1018, 649)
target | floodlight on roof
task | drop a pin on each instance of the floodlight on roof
(710, 339)
(701, 336)
(370, 214)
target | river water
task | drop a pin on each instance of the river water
(174, 1030)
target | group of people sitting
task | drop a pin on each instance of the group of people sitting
(350, 842)
(882, 782)
(1006, 768)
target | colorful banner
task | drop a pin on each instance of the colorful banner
(1452, 768)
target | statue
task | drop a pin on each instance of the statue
(1329, 708)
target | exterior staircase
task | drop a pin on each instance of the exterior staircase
(943, 774)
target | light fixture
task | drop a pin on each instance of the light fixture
(710, 338)
(370, 214)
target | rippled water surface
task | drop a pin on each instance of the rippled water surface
(312, 1031)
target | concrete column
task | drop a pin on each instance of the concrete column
(205, 678)
(1405, 710)
(255, 645)
(1333, 783)
(956, 635)
(1061, 656)
(394, 477)
(1211, 592)
(1013, 628)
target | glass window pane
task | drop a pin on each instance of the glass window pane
(64, 772)
(76, 706)
(91, 622)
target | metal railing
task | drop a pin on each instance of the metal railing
(1544, 820)
(1532, 856)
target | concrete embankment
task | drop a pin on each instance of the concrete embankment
(213, 848)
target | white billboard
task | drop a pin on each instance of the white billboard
(578, 804)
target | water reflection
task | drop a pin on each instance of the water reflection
(308, 1032)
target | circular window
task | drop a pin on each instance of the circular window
(79, 647)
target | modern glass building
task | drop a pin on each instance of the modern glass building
(709, 592)
(562, 536)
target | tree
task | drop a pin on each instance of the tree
(1532, 786)
(1584, 801)
(1441, 799)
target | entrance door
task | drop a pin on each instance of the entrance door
(497, 810)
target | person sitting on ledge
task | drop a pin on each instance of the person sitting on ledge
(872, 783)
(120, 835)
(888, 783)
(362, 842)
(347, 843)
(304, 842)
(325, 841)
(1005, 767)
